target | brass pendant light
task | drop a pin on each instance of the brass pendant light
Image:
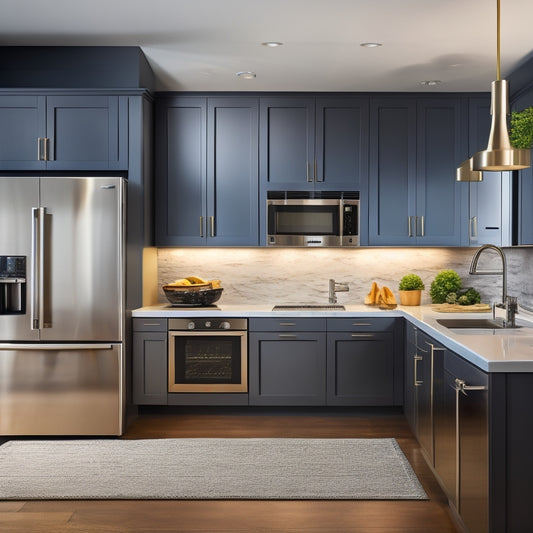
(499, 155)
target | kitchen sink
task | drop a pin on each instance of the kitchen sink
(296, 307)
(480, 326)
(470, 323)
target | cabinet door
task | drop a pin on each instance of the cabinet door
(360, 368)
(341, 143)
(150, 383)
(287, 368)
(392, 172)
(22, 123)
(232, 172)
(441, 201)
(490, 199)
(181, 171)
(287, 143)
(83, 133)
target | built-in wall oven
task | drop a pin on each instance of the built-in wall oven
(208, 355)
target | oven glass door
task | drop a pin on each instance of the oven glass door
(303, 220)
(207, 361)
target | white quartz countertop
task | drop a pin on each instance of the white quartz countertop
(490, 350)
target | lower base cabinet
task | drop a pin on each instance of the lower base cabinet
(318, 361)
(150, 382)
(448, 401)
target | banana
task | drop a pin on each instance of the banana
(195, 280)
(180, 282)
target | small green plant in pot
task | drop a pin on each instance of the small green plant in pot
(411, 287)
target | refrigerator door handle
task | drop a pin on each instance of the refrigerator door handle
(35, 268)
(54, 347)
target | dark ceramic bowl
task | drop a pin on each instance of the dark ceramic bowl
(179, 296)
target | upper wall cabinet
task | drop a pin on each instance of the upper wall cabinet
(207, 171)
(311, 144)
(490, 200)
(63, 132)
(415, 147)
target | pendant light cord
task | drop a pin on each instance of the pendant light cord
(498, 77)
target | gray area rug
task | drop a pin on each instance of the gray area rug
(279, 469)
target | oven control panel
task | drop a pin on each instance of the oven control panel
(203, 324)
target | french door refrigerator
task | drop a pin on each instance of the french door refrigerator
(62, 305)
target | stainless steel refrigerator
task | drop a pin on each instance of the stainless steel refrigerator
(62, 368)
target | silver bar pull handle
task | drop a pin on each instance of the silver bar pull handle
(361, 324)
(202, 227)
(212, 225)
(362, 334)
(461, 386)
(316, 174)
(287, 324)
(308, 173)
(35, 261)
(287, 336)
(53, 347)
(422, 227)
(417, 358)
(409, 226)
(43, 323)
(42, 146)
(473, 227)
(47, 155)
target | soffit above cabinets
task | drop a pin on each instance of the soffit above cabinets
(200, 46)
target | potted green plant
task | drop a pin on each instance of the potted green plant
(410, 288)
(521, 130)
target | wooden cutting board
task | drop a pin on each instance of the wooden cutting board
(455, 308)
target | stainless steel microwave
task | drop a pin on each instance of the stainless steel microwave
(313, 222)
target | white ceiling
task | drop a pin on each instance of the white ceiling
(199, 45)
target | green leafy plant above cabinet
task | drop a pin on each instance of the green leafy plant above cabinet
(521, 132)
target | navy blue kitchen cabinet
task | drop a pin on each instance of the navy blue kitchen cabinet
(81, 131)
(287, 361)
(362, 368)
(489, 218)
(309, 144)
(319, 361)
(415, 146)
(149, 365)
(207, 171)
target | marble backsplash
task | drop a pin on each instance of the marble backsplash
(300, 275)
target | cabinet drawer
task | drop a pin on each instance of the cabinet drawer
(360, 324)
(282, 324)
(149, 324)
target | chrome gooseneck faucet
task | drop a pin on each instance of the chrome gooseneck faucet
(509, 303)
(503, 272)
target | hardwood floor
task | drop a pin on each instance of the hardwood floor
(430, 516)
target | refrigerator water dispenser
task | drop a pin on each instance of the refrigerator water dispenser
(12, 284)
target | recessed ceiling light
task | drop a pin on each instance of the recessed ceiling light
(272, 44)
(370, 45)
(430, 83)
(246, 75)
